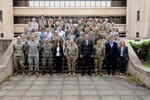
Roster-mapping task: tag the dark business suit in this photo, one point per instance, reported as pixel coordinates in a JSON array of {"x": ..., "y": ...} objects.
[
  {"x": 58, "y": 59},
  {"x": 123, "y": 58},
  {"x": 111, "y": 54},
  {"x": 86, "y": 52}
]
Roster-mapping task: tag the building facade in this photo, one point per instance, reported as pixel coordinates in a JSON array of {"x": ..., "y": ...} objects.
[{"x": 17, "y": 13}]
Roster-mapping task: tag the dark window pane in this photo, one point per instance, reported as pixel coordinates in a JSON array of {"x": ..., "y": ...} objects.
[{"x": 1, "y": 16}]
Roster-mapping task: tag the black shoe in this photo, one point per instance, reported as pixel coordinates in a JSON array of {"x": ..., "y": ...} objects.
[
  {"x": 89, "y": 74},
  {"x": 50, "y": 72},
  {"x": 82, "y": 74},
  {"x": 43, "y": 73},
  {"x": 113, "y": 74},
  {"x": 108, "y": 73}
]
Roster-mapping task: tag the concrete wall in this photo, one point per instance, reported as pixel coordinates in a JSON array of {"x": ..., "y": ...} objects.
[
  {"x": 6, "y": 62},
  {"x": 143, "y": 25},
  {"x": 136, "y": 67},
  {"x": 37, "y": 11},
  {"x": 6, "y": 26}
]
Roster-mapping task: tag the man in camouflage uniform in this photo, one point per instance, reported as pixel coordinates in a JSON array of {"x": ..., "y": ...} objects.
[
  {"x": 96, "y": 33},
  {"x": 90, "y": 22},
  {"x": 33, "y": 55},
  {"x": 56, "y": 38},
  {"x": 86, "y": 31},
  {"x": 99, "y": 54},
  {"x": 78, "y": 42},
  {"x": 71, "y": 54},
  {"x": 47, "y": 51},
  {"x": 42, "y": 23},
  {"x": 71, "y": 35},
  {"x": 19, "y": 55}
]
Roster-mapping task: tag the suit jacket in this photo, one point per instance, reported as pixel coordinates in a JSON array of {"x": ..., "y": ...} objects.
[
  {"x": 60, "y": 52},
  {"x": 125, "y": 52},
  {"x": 86, "y": 50},
  {"x": 111, "y": 51}
]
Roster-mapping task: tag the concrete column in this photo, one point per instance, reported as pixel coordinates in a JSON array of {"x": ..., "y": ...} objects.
[
  {"x": 7, "y": 26},
  {"x": 143, "y": 25}
]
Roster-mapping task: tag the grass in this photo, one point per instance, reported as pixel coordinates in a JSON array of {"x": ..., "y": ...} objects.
[
  {"x": 135, "y": 80},
  {"x": 7, "y": 79},
  {"x": 146, "y": 64}
]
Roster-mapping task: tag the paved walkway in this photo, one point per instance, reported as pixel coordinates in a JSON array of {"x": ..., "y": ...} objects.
[{"x": 71, "y": 88}]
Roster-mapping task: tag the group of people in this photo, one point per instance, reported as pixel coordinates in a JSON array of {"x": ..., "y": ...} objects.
[{"x": 88, "y": 42}]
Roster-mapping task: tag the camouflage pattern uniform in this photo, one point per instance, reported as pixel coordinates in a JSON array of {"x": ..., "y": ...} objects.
[
  {"x": 19, "y": 55},
  {"x": 47, "y": 53},
  {"x": 78, "y": 42},
  {"x": 42, "y": 24},
  {"x": 99, "y": 55},
  {"x": 72, "y": 54},
  {"x": 33, "y": 55}
]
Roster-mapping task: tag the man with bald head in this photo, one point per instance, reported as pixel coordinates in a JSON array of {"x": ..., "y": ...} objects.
[{"x": 19, "y": 55}]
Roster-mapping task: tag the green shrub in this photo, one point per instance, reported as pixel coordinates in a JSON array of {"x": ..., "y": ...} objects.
[{"x": 141, "y": 46}]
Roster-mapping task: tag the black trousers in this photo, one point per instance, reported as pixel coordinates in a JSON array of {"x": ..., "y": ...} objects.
[
  {"x": 111, "y": 63},
  {"x": 58, "y": 63},
  {"x": 86, "y": 62},
  {"x": 122, "y": 62}
]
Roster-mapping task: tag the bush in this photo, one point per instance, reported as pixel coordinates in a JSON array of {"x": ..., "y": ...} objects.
[{"x": 142, "y": 49}]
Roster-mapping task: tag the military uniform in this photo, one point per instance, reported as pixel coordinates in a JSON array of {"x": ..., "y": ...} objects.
[
  {"x": 42, "y": 24},
  {"x": 72, "y": 54},
  {"x": 89, "y": 23},
  {"x": 107, "y": 26},
  {"x": 24, "y": 37},
  {"x": 33, "y": 55},
  {"x": 71, "y": 36},
  {"x": 114, "y": 33},
  {"x": 18, "y": 55},
  {"x": 96, "y": 35},
  {"x": 47, "y": 53},
  {"x": 99, "y": 54},
  {"x": 57, "y": 38},
  {"x": 78, "y": 42}
]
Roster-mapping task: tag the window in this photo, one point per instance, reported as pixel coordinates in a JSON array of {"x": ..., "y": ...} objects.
[
  {"x": 77, "y": 3},
  {"x": 47, "y": 4},
  {"x": 1, "y": 16},
  {"x": 2, "y": 35},
  {"x": 72, "y": 4},
  {"x": 98, "y": 3},
  {"x": 56, "y": 3},
  {"x": 138, "y": 15},
  {"x": 88, "y": 3},
  {"x": 69, "y": 3},
  {"x": 92, "y": 3},
  {"x": 82, "y": 3},
  {"x": 62, "y": 4},
  {"x": 42, "y": 4},
  {"x": 137, "y": 34},
  {"x": 103, "y": 3}
]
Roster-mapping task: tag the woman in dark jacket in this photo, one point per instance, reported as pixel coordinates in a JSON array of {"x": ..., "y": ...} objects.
[
  {"x": 58, "y": 54},
  {"x": 123, "y": 57}
]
